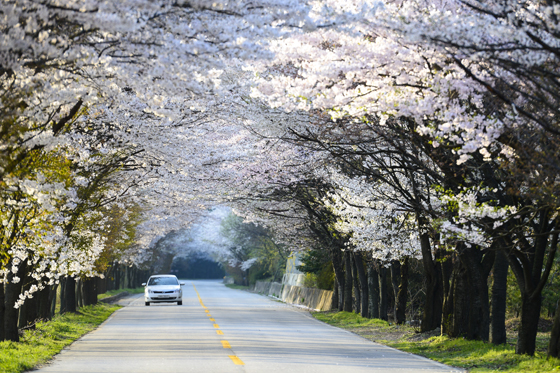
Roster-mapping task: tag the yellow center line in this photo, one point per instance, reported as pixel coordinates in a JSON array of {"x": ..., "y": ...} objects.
[
  {"x": 209, "y": 315},
  {"x": 199, "y": 298},
  {"x": 225, "y": 344},
  {"x": 236, "y": 360}
]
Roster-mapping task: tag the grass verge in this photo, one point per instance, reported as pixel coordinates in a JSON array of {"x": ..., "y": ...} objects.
[
  {"x": 475, "y": 356},
  {"x": 110, "y": 293},
  {"x": 39, "y": 345}
]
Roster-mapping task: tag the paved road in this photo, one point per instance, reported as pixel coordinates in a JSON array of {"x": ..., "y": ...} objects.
[{"x": 217, "y": 330}]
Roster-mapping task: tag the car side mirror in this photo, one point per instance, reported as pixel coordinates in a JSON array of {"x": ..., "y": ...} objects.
[
  {"x": 143, "y": 284},
  {"x": 181, "y": 283}
]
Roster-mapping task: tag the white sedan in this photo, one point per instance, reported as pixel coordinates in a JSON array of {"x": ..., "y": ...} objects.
[{"x": 163, "y": 289}]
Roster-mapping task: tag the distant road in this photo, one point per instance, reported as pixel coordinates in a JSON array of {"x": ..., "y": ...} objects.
[{"x": 217, "y": 330}]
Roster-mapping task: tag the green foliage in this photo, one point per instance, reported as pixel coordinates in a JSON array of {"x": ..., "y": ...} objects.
[
  {"x": 314, "y": 260},
  {"x": 552, "y": 290},
  {"x": 549, "y": 294},
  {"x": 121, "y": 232},
  {"x": 513, "y": 297},
  {"x": 251, "y": 241},
  {"x": 322, "y": 280},
  {"x": 39, "y": 345},
  {"x": 317, "y": 265}
]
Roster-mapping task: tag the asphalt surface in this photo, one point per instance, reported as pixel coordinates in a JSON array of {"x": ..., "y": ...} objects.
[{"x": 217, "y": 330}]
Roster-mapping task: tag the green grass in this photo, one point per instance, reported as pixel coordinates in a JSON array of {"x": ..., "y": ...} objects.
[
  {"x": 475, "y": 356},
  {"x": 239, "y": 287},
  {"x": 349, "y": 319},
  {"x": 110, "y": 293},
  {"x": 39, "y": 345}
]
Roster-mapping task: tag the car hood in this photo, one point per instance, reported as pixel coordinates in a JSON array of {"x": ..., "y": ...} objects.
[{"x": 163, "y": 287}]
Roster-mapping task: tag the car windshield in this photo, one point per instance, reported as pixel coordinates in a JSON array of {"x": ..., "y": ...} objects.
[{"x": 163, "y": 281}]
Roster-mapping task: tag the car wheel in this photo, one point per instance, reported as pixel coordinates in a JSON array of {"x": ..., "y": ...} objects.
[
  {"x": 180, "y": 303},
  {"x": 147, "y": 303}
]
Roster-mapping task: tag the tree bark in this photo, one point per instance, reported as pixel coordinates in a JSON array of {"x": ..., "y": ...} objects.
[
  {"x": 431, "y": 318},
  {"x": 70, "y": 294},
  {"x": 383, "y": 296},
  {"x": 358, "y": 257},
  {"x": 479, "y": 313},
  {"x": 460, "y": 302},
  {"x": 348, "y": 282},
  {"x": 499, "y": 295},
  {"x": 53, "y": 297},
  {"x": 63, "y": 298},
  {"x": 448, "y": 284},
  {"x": 12, "y": 292},
  {"x": 395, "y": 280},
  {"x": 402, "y": 295},
  {"x": 28, "y": 311},
  {"x": 338, "y": 265},
  {"x": 79, "y": 293},
  {"x": 90, "y": 291},
  {"x": 2, "y": 311},
  {"x": 44, "y": 306},
  {"x": 373, "y": 288},
  {"x": 334, "y": 300},
  {"x": 357, "y": 285},
  {"x": 528, "y": 326},
  {"x": 117, "y": 270}
]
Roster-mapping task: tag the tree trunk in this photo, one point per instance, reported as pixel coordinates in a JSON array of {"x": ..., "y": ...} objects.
[
  {"x": 44, "y": 303},
  {"x": 28, "y": 311},
  {"x": 79, "y": 293},
  {"x": 431, "y": 318},
  {"x": 12, "y": 292},
  {"x": 90, "y": 291},
  {"x": 357, "y": 285},
  {"x": 460, "y": 319},
  {"x": 70, "y": 294},
  {"x": 479, "y": 313},
  {"x": 448, "y": 284},
  {"x": 338, "y": 266},
  {"x": 101, "y": 284},
  {"x": 528, "y": 326},
  {"x": 383, "y": 296},
  {"x": 63, "y": 298},
  {"x": 2, "y": 311},
  {"x": 348, "y": 282},
  {"x": 395, "y": 280},
  {"x": 358, "y": 257},
  {"x": 334, "y": 300},
  {"x": 373, "y": 288},
  {"x": 499, "y": 294},
  {"x": 53, "y": 296},
  {"x": 402, "y": 295}
]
